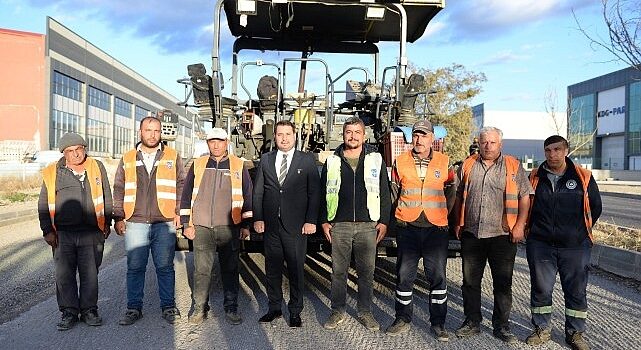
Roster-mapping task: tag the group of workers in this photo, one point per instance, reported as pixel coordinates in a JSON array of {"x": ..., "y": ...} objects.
[{"x": 491, "y": 204}]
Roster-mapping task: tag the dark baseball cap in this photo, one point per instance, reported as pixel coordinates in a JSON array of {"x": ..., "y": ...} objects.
[{"x": 423, "y": 126}]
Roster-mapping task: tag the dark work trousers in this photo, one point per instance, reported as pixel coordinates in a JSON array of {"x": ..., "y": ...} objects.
[
  {"x": 79, "y": 252},
  {"x": 572, "y": 264},
  {"x": 291, "y": 248},
  {"x": 499, "y": 252},
  {"x": 223, "y": 239},
  {"x": 430, "y": 244},
  {"x": 359, "y": 239}
]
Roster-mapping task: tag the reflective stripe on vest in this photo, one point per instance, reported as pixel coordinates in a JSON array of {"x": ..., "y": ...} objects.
[
  {"x": 584, "y": 177},
  {"x": 165, "y": 182},
  {"x": 236, "y": 175},
  {"x": 426, "y": 196},
  {"x": 94, "y": 178},
  {"x": 372, "y": 168},
  {"x": 510, "y": 196}
]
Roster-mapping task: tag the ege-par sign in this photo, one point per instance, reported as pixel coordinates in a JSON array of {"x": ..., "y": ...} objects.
[{"x": 611, "y": 111}]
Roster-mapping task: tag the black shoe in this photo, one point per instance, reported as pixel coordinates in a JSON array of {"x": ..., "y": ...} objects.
[
  {"x": 468, "y": 328},
  {"x": 233, "y": 318},
  {"x": 67, "y": 322},
  {"x": 171, "y": 314},
  {"x": 295, "y": 321},
  {"x": 91, "y": 318},
  {"x": 270, "y": 316},
  {"x": 505, "y": 335},
  {"x": 130, "y": 317}
]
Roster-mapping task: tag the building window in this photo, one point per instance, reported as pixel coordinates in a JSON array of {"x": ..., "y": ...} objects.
[
  {"x": 123, "y": 126},
  {"x": 581, "y": 129},
  {"x": 139, "y": 115},
  {"x": 99, "y": 98},
  {"x": 62, "y": 123},
  {"x": 634, "y": 120},
  {"x": 66, "y": 86}
]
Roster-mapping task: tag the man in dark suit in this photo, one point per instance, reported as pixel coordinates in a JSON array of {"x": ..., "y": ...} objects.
[{"x": 286, "y": 196}]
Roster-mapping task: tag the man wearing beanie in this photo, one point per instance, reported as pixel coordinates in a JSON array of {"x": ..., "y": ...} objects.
[{"x": 74, "y": 209}]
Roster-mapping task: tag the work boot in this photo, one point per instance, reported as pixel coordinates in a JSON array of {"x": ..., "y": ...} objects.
[
  {"x": 232, "y": 317},
  {"x": 505, "y": 335},
  {"x": 335, "y": 318},
  {"x": 91, "y": 318},
  {"x": 539, "y": 336},
  {"x": 399, "y": 327},
  {"x": 171, "y": 314},
  {"x": 576, "y": 341},
  {"x": 368, "y": 320},
  {"x": 130, "y": 317},
  {"x": 440, "y": 333},
  {"x": 68, "y": 320},
  {"x": 468, "y": 328}
]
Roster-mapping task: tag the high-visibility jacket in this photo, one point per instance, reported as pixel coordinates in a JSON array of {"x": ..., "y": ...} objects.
[
  {"x": 165, "y": 182},
  {"x": 372, "y": 166},
  {"x": 584, "y": 176},
  {"x": 426, "y": 196},
  {"x": 236, "y": 174},
  {"x": 511, "y": 195},
  {"x": 97, "y": 195}
]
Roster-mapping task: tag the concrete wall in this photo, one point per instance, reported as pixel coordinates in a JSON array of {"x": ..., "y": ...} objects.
[
  {"x": 622, "y": 175},
  {"x": 22, "y": 104}
]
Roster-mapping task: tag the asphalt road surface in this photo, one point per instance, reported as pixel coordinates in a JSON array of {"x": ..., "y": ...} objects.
[
  {"x": 622, "y": 211},
  {"x": 29, "y": 310}
]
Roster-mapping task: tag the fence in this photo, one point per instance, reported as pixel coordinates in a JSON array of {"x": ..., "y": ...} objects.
[{"x": 19, "y": 170}]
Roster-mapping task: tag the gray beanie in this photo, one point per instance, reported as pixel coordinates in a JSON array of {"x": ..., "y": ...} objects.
[{"x": 71, "y": 139}]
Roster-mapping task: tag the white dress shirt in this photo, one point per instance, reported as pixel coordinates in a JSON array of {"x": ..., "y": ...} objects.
[{"x": 279, "y": 159}]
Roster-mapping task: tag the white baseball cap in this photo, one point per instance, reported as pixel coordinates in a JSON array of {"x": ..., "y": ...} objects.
[{"x": 217, "y": 133}]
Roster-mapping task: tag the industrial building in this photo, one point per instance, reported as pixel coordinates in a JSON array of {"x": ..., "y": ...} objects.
[
  {"x": 604, "y": 120},
  {"x": 58, "y": 82}
]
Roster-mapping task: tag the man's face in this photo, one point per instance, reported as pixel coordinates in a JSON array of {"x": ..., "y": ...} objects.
[
  {"x": 490, "y": 145},
  {"x": 217, "y": 148},
  {"x": 285, "y": 138},
  {"x": 150, "y": 133},
  {"x": 422, "y": 141},
  {"x": 555, "y": 154},
  {"x": 74, "y": 155},
  {"x": 353, "y": 136}
]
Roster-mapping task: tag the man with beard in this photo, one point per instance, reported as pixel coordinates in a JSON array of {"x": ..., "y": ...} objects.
[
  {"x": 147, "y": 192},
  {"x": 354, "y": 213},
  {"x": 75, "y": 217},
  {"x": 285, "y": 210}
]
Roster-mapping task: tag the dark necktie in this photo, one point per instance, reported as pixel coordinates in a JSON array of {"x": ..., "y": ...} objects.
[{"x": 283, "y": 170}]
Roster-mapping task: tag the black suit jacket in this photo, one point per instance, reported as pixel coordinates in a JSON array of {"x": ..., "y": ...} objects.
[{"x": 297, "y": 200}]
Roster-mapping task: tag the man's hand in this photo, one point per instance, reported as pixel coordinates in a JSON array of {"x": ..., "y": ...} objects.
[
  {"x": 52, "y": 239},
  {"x": 327, "y": 230},
  {"x": 381, "y": 231},
  {"x": 177, "y": 223},
  {"x": 259, "y": 226},
  {"x": 457, "y": 231},
  {"x": 309, "y": 229},
  {"x": 120, "y": 227},
  {"x": 189, "y": 232},
  {"x": 244, "y": 233},
  {"x": 518, "y": 233}
]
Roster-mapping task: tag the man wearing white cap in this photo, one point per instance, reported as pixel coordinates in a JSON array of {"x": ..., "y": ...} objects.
[{"x": 215, "y": 211}]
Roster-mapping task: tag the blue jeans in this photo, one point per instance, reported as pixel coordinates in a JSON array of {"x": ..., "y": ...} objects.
[
  {"x": 430, "y": 244},
  {"x": 500, "y": 253},
  {"x": 572, "y": 264},
  {"x": 359, "y": 238},
  {"x": 160, "y": 237}
]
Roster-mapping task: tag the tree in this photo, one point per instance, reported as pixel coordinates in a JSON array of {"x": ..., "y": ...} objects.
[
  {"x": 623, "y": 21},
  {"x": 453, "y": 89}
]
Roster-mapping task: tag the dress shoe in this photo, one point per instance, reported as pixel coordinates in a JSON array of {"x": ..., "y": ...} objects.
[
  {"x": 295, "y": 321},
  {"x": 270, "y": 316}
]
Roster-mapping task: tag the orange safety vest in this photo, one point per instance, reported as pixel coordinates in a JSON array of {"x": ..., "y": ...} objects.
[
  {"x": 165, "y": 182},
  {"x": 237, "y": 200},
  {"x": 95, "y": 183},
  {"x": 584, "y": 176},
  {"x": 511, "y": 194},
  {"x": 426, "y": 196}
]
